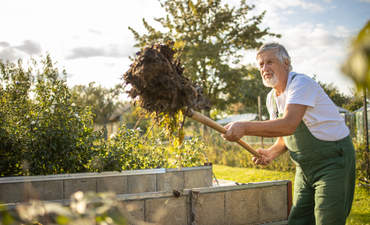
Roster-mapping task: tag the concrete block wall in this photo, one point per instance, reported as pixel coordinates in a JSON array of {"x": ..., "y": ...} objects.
[
  {"x": 57, "y": 187},
  {"x": 253, "y": 203}
]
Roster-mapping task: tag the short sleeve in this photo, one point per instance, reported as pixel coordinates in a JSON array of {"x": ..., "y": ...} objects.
[
  {"x": 269, "y": 105},
  {"x": 303, "y": 91}
]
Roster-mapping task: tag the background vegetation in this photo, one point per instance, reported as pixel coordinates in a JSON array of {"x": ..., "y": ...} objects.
[{"x": 45, "y": 130}]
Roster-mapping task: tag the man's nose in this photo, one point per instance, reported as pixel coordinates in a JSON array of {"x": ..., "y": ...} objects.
[{"x": 264, "y": 67}]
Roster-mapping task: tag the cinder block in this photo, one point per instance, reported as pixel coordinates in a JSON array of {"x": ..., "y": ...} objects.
[
  {"x": 208, "y": 208},
  {"x": 13, "y": 192},
  {"x": 274, "y": 203},
  {"x": 141, "y": 183},
  {"x": 24, "y": 191},
  {"x": 135, "y": 211},
  {"x": 47, "y": 190},
  {"x": 116, "y": 184},
  {"x": 170, "y": 181},
  {"x": 73, "y": 185},
  {"x": 197, "y": 178},
  {"x": 166, "y": 211},
  {"x": 242, "y": 207}
]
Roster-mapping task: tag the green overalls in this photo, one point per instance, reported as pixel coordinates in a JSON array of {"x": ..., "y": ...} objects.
[{"x": 325, "y": 178}]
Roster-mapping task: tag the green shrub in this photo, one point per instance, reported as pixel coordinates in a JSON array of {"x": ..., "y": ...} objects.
[
  {"x": 129, "y": 150},
  {"x": 41, "y": 130}
]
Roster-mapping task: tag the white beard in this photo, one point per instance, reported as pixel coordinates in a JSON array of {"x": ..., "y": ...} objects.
[{"x": 271, "y": 82}]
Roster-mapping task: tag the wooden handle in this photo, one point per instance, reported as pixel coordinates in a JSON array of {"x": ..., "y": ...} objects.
[{"x": 207, "y": 121}]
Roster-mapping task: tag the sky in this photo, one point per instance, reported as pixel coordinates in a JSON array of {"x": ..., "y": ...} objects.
[{"x": 90, "y": 39}]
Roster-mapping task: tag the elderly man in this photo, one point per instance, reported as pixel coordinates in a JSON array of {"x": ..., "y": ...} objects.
[{"x": 308, "y": 125}]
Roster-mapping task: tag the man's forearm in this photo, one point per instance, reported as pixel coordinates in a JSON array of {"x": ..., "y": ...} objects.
[
  {"x": 269, "y": 128},
  {"x": 277, "y": 148}
]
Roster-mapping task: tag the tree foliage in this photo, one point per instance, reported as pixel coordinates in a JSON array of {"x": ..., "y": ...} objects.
[
  {"x": 103, "y": 102},
  {"x": 211, "y": 38}
]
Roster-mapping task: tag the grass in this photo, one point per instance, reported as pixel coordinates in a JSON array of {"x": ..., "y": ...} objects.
[{"x": 360, "y": 213}]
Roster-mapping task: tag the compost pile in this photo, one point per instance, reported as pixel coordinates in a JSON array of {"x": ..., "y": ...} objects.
[{"x": 156, "y": 81}]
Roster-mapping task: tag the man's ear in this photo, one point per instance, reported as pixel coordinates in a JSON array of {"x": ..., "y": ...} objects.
[{"x": 286, "y": 63}]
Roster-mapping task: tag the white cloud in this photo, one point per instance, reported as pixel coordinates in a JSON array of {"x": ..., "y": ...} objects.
[
  {"x": 112, "y": 50},
  {"x": 365, "y": 1},
  {"x": 30, "y": 47},
  {"x": 9, "y": 54},
  {"x": 27, "y": 48},
  {"x": 4, "y": 44}
]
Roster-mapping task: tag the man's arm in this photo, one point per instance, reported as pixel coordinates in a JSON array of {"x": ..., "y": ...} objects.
[{"x": 271, "y": 128}]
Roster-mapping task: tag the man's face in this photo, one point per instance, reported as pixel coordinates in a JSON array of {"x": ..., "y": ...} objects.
[{"x": 271, "y": 68}]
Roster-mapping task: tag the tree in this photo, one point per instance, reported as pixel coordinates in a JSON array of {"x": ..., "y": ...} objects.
[
  {"x": 103, "y": 102},
  {"x": 211, "y": 39}
]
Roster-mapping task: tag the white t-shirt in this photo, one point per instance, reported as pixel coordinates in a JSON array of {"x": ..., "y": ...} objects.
[{"x": 322, "y": 117}]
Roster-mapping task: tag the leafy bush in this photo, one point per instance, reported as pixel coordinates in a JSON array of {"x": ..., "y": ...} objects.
[
  {"x": 41, "y": 130},
  {"x": 128, "y": 150}
]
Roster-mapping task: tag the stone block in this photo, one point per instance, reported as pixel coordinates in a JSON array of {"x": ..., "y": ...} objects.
[
  {"x": 47, "y": 190},
  {"x": 197, "y": 178},
  {"x": 116, "y": 184},
  {"x": 242, "y": 206},
  {"x": 24, "y": 191},
  {"x": 13, "y": 192},
  {"x": 141, "y": 183},
  {"x": 135, "y": 211},
  {"x": 170, "y": 181},
  {"x": 208, "y": 208},
  {"x": 166, "y": 211},
  {"x": 274, "y": 203},
  {"x": 73, "y": 185}
]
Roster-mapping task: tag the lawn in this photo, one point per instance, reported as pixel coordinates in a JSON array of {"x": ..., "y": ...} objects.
[{"x": 360, "y": 214}]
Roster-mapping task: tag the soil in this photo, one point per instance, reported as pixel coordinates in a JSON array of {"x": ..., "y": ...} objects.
[{"x": 156, "y": 80}]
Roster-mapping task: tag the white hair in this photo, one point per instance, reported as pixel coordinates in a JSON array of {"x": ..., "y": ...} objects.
[{"x": 281, "y": 53}]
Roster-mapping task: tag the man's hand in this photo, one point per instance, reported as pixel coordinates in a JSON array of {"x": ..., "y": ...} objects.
[
  {"x": 234, "y": 131},
  {"x": 265, "y": 159}
]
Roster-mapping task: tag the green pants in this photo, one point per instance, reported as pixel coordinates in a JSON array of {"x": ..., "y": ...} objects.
[{"x": 325, "y": 179}]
